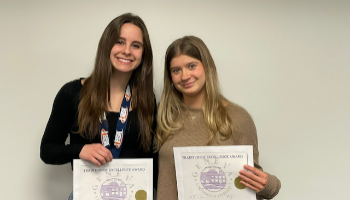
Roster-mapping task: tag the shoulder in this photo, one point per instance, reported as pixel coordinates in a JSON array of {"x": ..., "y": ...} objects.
[
  {"x": 72, "y": 87},
  {"x": 243, "y": 126},
  {"x": 239, "y": 116},
  {"x": 69, "y": 91},
  {"x": 236, "y": 110}
]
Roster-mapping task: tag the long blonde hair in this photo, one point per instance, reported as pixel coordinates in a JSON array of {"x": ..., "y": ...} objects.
[
  {"x": 171, "y": 103},
  {"x": 96, "y": 89}
]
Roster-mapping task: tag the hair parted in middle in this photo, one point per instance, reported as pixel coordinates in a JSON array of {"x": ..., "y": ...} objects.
[
  {"x": 171, "y": 103},
  {"x": 95, "y": 93}
]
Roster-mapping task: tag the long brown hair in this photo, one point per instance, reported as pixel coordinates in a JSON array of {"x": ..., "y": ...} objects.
[
  {"x": 95, "y": 93},
  {"x": 171, "y": 103}
]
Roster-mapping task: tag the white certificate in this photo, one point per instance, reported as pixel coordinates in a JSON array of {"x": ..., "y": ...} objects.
[
  {"x": 211, "y": 172},
  {"x": 120, "y": 179}
]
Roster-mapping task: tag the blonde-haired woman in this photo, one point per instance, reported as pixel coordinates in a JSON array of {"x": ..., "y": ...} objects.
[{"x": 193, "y": 112}]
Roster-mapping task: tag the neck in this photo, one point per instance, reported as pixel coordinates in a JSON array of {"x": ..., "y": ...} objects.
[
  {"x": 118, "y": 82},
  {"x": 194, "y": 102}
]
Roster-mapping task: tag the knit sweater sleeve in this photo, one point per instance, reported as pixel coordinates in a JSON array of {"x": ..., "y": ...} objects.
[
  {"x": 245, "y": 134},
  {"x": 53, "y": 149},
  {"x": 271, "y": 189}
]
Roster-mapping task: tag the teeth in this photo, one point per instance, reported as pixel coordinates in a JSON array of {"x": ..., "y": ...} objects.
[{"x": 123, "y": 60}]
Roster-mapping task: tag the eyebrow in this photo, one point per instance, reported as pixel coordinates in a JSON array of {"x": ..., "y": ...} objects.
[
  {"x": 193, "y": 62},
  {"x": 170, "y": 67},
  {"x": 138, "y": 42},
  {"x": 188, "y": 64}
]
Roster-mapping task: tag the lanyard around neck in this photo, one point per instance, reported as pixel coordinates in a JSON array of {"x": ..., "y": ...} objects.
[{"x": 121, "y": 126}]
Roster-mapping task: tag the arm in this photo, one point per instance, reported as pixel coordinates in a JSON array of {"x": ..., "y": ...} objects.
[
  {"x": 264, "y": 184},
  {"x": 53, "y": 149}
]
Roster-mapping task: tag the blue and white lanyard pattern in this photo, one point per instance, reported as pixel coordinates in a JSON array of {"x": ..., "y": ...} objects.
[{"x": 121, "y": 126}]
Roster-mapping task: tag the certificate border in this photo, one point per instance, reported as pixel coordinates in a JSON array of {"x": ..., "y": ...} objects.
[
  {"x": 77, "y": 163},
  {"x": 210, "y": 149}
]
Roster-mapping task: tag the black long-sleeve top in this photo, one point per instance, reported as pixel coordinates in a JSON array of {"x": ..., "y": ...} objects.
[{"x": 63, "y": 122}]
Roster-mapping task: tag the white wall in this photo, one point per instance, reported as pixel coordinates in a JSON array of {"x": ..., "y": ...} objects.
[{"x": 286, "y": 62}]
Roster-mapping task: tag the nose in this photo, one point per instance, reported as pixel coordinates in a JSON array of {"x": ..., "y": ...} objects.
[
  {"x": 185, "y": 75},
  {"x": 126, "y": 49}
]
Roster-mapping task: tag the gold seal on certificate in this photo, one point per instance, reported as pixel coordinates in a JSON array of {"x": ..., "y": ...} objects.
[
  {"x": 238, "y": 183},
  {"x": 118, "y": 179},
  {"x": 211, "y": 172},
  {"x": 141, "y": 195}
]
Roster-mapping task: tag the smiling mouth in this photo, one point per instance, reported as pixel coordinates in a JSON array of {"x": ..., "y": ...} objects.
[
  {"x": 124, "y": 60},
  {"x": 187, "y": 85}
]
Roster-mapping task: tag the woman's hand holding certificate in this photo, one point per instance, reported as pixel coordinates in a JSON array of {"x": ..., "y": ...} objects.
[{"x": 254, "y": 179}]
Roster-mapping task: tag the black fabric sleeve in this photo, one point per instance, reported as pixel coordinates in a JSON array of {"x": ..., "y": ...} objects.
[
  {"x": 155, "y": 154},
  {"x": 53, "y": 149}
]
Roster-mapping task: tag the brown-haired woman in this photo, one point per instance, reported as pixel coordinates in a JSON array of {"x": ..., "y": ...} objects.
[
  {"x": 193, "y": 112},
  {"x": 118, "y": 95}
]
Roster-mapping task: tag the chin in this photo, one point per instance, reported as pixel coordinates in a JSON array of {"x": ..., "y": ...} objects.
[{"x": 125, "y": 70}]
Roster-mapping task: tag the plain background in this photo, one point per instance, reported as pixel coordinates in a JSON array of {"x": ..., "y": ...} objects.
[{"x": 286, "y": 62}]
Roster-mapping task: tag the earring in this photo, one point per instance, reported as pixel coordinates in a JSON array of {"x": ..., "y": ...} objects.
[{"x": 172, "y": 85}]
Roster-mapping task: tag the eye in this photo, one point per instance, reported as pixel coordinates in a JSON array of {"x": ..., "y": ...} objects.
[
  {"x": 136, "y": 46},
  {"x": 120, "y": 42},
  {"x": 175, "y": 70},
  {"x": 192, "y": 66}
]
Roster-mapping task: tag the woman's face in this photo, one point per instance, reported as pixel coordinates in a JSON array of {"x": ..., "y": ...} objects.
[
  {"x": 188, "y": 76},
  {"x": 126, "y": 54}
]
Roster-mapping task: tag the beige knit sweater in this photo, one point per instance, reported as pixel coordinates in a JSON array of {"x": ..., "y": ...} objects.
[{"x": 195, "y": 133}]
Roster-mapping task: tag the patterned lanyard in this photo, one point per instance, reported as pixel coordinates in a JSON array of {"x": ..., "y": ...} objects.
[{"x": 121, "y": 126}]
